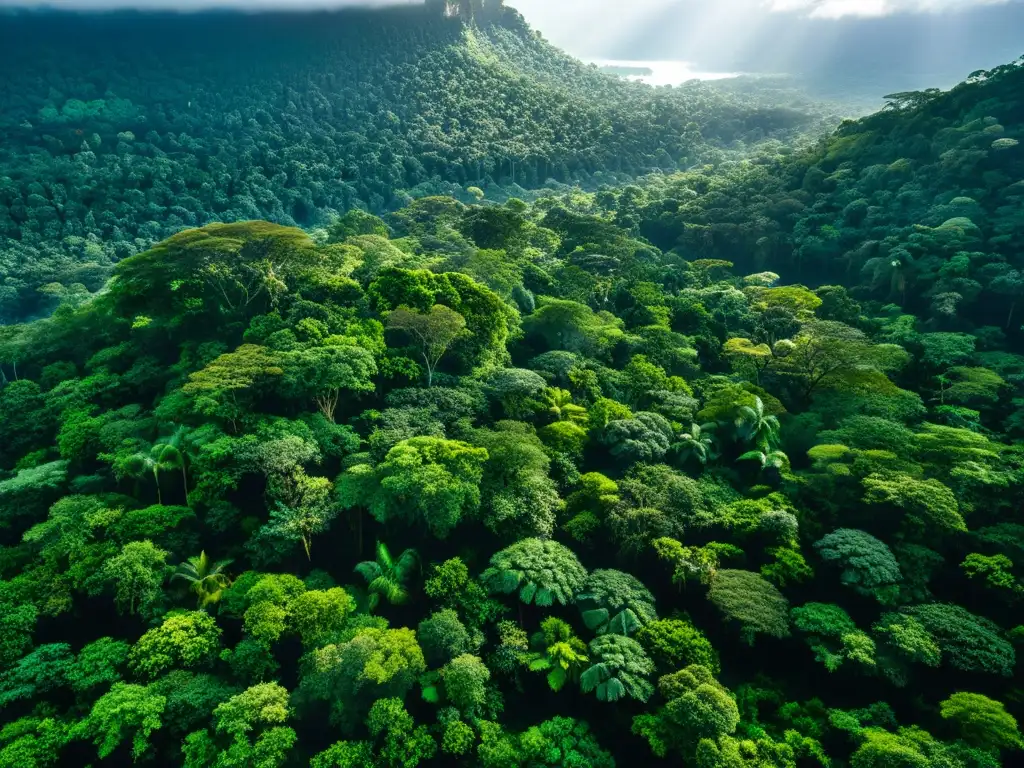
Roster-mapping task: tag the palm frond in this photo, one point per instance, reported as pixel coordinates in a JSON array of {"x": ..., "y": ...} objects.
[
  {"x": 369, "y": 570},
  {"x": 384, "y": 555}
]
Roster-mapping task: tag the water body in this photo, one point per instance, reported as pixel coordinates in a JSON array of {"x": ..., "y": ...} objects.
[{"x": 663, "y": 72}]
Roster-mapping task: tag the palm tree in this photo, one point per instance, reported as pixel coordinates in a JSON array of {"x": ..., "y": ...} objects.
[
  {"x": 753, "y": 426},
  {"x": 697, "y": 443},
  {"x": 169, "y": 454},
  {"x": 562, "y": 408},
  {"x": 769, "y": 459},
  {"x": 386, "y": 576},
  {"x": 207, "y": 578},
  {"x": 142, "y": 464},
  {"x": 164, "y": 456}
]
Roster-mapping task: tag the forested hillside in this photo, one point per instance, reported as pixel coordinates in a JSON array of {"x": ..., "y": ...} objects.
[
  {"x": 119, "y": 130},
  {"x": 721, "y": 468},
  {"x": 920, "y": 206}
]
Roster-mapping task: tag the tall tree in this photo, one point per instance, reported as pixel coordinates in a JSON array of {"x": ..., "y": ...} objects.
[{"x": 433, "y": 332}]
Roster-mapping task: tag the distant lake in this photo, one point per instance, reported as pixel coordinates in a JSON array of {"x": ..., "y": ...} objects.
[{"x": 660, "y": 72}]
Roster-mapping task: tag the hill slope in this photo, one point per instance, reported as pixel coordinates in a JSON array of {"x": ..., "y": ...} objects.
[
  {"x": 119, "y": 129},
  {"x": 921, "y": 205}
]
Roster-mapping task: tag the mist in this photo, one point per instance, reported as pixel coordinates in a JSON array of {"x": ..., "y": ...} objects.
[{"x": 878, "y": 45}]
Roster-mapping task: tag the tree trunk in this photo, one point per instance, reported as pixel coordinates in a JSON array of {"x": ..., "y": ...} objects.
[
  {"x": 305, "y": 544},
  {"x": 1009, "y": 318},
  {"x": 184, "y": 483},
  {"x": 159, "y": 494}
]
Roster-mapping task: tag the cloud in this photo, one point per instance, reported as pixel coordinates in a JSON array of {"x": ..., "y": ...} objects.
[
  {"x": 837, "y": 9},
  {"x": 197, "y": 5}
]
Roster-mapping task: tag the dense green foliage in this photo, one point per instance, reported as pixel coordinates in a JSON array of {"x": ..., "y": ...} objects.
[
  {"x": 113, "y": 134},
  {"x": 573, "y": 482}
]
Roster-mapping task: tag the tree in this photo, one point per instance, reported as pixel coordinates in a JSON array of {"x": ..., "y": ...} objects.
[
  {"x": 543, "y": 572},
  {"x": 168, "y": 454},
  {"x": 994, "y": 571},
  {"x": 929, "y": 508},
  {"x": 561, "y": 408},
  {"x": 451, "y": 586},
  {"x": 563, "y": 741},
  {"x": 826, "y": 354},
  {"x": 186, "y": 639},
  {"x": 434, "y": 332},
  {"x": 356, "y": 222},
  {"x": 323, "y": 373},
  {"x": 575, "y": 327},
  {"x": 137, "y": 574},
  {"x": 698, "y": 708},
  {"x": 465, "y": 678},
  {"x": 318, "y": 615},
  {"x": 253, "y": 724},
  {"x": 387, "y": 576},
  {"x": 902, "y": 639},
  {"x": 309, "y": 513},
  {"x": 443, "y": 637},
  {"x": 559, "y": 653},
  {"x": 699, "y": 563},
  {"x": 755, "y": 604},
  {"x": 968, "y": 642},
  {"x": 127, "y": 710},
  {"x": 17, "y": 623},
  {"x": 619, "y": 667},
  {"x": 426, "y": 479},
  {"x": 375, "y": 663},
  {"x": 747, "y": 357},
  {"x": 616, "y": 602},
  {"x": 788, "y": 567},
  {"x": 458, "y": 738},
  {"x": 833, "y": 636},
  {"x": 35, "y": 675},
  {"x": 31, "y": 491},
  {"x": 982, "y": 721},
  {"x": 142, "y": 464},
  {"x": 238, "y": 269},
  {"x": 205, "y": 577},
  {"x": 344, "y": 754},
  {"x": 222, "y": 386},
  {"x": 33, "y": 741},
  {"x": 518, "y": 391},
  {"x": 869, "y": 567},
  {"x": 755, "y": 427},
  {"x": 776, "y": 460},
  {"x": 518, "y": 496},
  {"x": 23, "y": 419},
  {"x": 697, "y": 443},
  {"x": 402, "y": 745},
  {"x": 100, "y": 663},
  {"x": 645, "y": 437},
  {"x": 675, "y": 644}
]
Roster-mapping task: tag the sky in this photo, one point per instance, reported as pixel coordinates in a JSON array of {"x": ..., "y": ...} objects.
[{"x": 883, "y": 45}]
